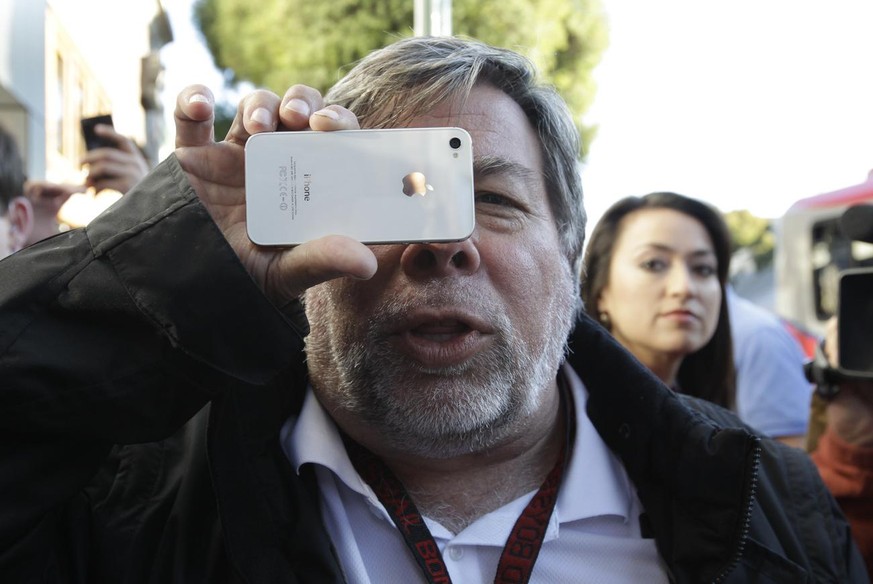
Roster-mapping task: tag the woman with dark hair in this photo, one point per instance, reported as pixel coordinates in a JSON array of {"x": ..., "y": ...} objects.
[{"x": 655, "y": 275}]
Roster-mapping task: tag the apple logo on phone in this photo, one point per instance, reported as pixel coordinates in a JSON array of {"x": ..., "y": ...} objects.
[{"x": 415, "y": 183}]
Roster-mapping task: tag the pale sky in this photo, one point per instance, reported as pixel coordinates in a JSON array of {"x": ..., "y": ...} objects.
[{"x": 749, "y": 104}]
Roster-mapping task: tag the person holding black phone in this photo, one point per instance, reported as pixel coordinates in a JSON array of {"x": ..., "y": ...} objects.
[{"x": 114, "y": 161}]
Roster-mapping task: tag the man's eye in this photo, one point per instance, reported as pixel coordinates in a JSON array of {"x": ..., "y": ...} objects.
[{"x": 492, "y": 199}]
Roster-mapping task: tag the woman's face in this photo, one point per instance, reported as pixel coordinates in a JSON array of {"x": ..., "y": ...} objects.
[{"x": 662, "y": 294}]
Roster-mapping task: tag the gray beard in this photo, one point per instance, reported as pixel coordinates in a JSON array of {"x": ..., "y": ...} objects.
[{"x": 433, "y": 412}]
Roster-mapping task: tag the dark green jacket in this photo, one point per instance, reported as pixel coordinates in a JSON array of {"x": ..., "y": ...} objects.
[{"x": 144, "y": 379}]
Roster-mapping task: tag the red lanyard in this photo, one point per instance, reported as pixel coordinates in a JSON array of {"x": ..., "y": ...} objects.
[{"x": 524, "y": 542}]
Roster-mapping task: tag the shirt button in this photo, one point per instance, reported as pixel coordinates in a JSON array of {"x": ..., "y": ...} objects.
[{"x": 455, "y": 552}]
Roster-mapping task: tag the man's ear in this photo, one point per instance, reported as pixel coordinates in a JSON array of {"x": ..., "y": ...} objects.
[{"x": 20, "y": 216}]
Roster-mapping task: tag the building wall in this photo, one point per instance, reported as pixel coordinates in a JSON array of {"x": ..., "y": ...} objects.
[
  {"x": 22, "y": 83},
  {"x": 62, "y": 60},
  {"x": 73, "y": 92}
]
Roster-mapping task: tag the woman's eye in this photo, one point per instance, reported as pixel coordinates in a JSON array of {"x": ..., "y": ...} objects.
[
  {"x": 704, "y": 270},
  {"x": 654, "y": 265}
]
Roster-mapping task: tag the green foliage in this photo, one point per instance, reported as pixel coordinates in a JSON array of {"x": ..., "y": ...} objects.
[
  {"x": 565, "y": 38},
  {"x": 753, "y": 233},
  {"x": 276, "y": 43},
  {"x": 224, "y": 115}
]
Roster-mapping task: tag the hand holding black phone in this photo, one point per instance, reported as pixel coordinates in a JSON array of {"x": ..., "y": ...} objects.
[{"x": 92, "y": 140}]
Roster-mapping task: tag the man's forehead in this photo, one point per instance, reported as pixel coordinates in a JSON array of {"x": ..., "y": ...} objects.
[
  {"x": 502, "y": 134},
  {"x": 487, "y": 165}
]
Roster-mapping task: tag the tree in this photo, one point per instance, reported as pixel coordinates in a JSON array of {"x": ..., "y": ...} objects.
[
  {"x": 565, "y": 38},
  {"x": 754, "y": 234},
  {"x": 224, "y": 114},
  {"x": 274, "y": 43}
]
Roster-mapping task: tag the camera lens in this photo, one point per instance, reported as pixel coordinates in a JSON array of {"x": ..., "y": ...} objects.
[{"x": 455, "y": 143}]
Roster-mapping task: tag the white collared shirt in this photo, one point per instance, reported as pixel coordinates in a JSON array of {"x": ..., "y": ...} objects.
[{"x": 593, "y": 535}]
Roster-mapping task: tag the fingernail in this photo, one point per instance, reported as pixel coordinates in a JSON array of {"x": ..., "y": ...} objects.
[
  {"x": 198, "y": 98},
  {"x": 298, "y": 106},
  {"x": 262, "y": 116},
  {"x": 327, "y": 113}
]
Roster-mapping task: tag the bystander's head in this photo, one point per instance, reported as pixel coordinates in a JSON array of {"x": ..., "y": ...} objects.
[{"x": 16, "y": 214}]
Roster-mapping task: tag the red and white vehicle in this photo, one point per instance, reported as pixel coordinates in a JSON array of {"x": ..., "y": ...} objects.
[{"x": 811, "y": 251}]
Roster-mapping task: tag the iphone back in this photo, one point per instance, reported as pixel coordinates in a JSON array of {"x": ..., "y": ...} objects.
[{"x": 377, "y": 186}]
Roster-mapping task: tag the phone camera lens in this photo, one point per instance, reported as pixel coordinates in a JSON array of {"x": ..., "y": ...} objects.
[{"x": 455, "y": 143}]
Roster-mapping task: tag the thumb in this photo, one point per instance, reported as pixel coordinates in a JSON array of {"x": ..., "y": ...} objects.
[
  {"x": 194, "y": 116},
  {"x": 318, "y": 261}
]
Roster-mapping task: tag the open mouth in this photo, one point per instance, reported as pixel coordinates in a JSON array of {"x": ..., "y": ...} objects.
[
  {"x": 441, "y": 331},
  {"x": 439, "y": 340}
]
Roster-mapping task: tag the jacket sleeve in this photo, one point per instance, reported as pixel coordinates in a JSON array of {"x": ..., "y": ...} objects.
[
  {"x": 117, "y": 334},
  {"x": 847, "y": 470}
]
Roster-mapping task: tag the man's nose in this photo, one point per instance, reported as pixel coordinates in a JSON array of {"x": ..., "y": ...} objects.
[{"x": 425, "y": 260}]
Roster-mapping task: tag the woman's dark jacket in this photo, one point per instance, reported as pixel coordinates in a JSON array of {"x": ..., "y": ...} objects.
[{"x": 144, "y": 378}]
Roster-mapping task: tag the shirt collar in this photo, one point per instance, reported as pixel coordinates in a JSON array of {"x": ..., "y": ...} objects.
[
  {"x": 314, "y": 438},
  {"x": 595, "y": 482}
]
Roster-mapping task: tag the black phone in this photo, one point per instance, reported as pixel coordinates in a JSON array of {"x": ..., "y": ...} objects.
[{"x": 92, "y": 140}]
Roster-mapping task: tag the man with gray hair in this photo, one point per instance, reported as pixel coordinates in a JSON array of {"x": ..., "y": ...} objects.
[{"x": 182, "y": 405}]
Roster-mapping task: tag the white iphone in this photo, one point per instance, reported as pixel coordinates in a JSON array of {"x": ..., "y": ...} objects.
[{"x": 377, "y": 186}]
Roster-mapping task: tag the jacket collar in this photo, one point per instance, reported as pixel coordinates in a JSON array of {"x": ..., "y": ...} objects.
[{"x": 695, "y": 480}]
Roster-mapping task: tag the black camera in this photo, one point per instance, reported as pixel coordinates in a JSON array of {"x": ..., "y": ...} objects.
[{"x": 855, "y": 309}]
